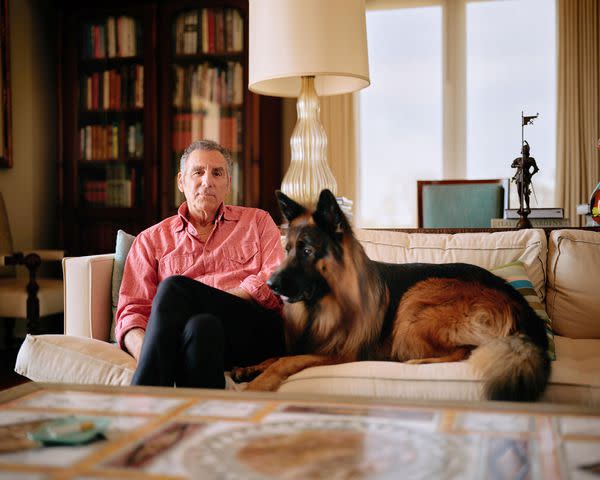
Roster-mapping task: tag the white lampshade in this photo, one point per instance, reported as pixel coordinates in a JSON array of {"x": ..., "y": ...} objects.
[{"x": 289, "y": 39}]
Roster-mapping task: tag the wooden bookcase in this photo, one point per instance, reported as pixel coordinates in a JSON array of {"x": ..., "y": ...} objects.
[{"x": 138, "y": 81}]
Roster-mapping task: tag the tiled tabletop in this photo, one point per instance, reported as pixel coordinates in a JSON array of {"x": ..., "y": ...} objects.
[{"x": 181, "y": 433}]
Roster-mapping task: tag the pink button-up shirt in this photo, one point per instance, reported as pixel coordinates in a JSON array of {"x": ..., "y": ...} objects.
[{"x": 242, "y": 251}]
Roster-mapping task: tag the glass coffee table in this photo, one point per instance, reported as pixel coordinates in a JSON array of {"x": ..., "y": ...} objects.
[{"x": 184, "y": 433}]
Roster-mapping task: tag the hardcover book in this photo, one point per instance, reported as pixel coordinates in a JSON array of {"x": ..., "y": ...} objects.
[
  {"x": 535, "y": 222},
  {"x": 553, "y": 212}
]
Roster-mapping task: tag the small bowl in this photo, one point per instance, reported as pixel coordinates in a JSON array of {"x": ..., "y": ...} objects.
[{"x": 73, "y": 430}]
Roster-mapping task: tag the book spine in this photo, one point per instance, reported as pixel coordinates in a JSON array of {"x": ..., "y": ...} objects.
[
  {"x": 536, "y": 213},
  {"x": 535, "y": 222}
]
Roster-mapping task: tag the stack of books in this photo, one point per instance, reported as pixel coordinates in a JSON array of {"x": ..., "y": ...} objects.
[
  {"x": 539, "y": 218},
  {"x": 346, "y": 206}
]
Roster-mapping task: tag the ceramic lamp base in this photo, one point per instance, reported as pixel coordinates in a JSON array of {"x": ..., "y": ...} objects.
[{"x": 309, "y": 172}]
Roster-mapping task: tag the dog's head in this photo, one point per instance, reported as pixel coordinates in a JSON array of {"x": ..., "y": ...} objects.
[{"x": 314, "y": 241}]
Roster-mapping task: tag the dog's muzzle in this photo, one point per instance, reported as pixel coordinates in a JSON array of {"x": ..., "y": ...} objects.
[{"x": 285, "y": 288}]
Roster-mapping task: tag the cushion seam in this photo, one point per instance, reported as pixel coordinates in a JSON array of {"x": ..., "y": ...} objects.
[{"x": 355, "y": 377}]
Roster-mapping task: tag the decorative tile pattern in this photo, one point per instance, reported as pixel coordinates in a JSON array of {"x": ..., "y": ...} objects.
[{"x": 216, "y": 435}]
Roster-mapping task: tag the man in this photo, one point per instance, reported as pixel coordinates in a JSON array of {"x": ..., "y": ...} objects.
[{"x": 193, "y": 300}]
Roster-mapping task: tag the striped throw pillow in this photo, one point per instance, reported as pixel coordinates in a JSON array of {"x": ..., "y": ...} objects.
[{"x": 515, "y": 275}]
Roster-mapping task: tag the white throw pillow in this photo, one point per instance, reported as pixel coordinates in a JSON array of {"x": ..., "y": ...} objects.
[{"x": 70, "y": 359}]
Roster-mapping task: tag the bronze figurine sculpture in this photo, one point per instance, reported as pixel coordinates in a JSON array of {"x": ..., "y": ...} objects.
[{"x": 526, "y": 168}]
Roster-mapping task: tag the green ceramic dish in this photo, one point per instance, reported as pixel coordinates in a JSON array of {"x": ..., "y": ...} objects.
[{"x": 73, "y": 430}]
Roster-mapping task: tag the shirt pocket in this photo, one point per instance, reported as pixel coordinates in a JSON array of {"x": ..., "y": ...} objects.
[
  {"x": 176, "y": 264},
  {"x": 244, "y": 256}
]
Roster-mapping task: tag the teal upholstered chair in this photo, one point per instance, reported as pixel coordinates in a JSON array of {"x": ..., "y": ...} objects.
[{"x": 461, "y": 203}]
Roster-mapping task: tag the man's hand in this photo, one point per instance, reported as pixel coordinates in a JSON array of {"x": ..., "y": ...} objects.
[
  {"x": 133, "y": 341},
  {"x": 240, "y": 292}
]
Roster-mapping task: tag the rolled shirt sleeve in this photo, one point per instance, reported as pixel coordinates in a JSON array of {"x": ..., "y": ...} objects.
[
  {"x": 272, "y": 256},
  {"x": 137, "y": 290}
]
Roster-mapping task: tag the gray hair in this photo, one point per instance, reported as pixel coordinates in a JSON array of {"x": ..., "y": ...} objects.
[{"x": 206, "y": 146}]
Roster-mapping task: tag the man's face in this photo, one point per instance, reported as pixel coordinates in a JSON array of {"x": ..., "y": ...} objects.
[{"x": 205, "y": 181}]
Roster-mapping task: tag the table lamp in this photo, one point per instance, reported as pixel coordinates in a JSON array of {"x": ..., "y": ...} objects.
[{"x": 307, "y": 49}]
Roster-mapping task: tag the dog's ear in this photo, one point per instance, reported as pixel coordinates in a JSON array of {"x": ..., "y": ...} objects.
[
  {"x": 329, "y": 215},
  {"x": 289, "y": 208}
]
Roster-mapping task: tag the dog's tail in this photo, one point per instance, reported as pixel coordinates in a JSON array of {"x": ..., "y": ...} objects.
[{"x": 513, "y": 368}]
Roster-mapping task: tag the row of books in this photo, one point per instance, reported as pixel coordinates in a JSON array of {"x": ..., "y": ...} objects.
[
  {"x": 215, "y": 124},
  {"x": 109, "y": 193},
  {"x": 209, "y": 30},
  {"x": 115, "y": 37},
  {"x": 196, "y": 85},
  {"x": 113, "y": 89},
  {"x": 116, "y": 189},
  {"x": 111, "y": 142}
]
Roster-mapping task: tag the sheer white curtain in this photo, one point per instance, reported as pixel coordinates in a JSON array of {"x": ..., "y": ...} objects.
[{"x": 338, "y": 118}]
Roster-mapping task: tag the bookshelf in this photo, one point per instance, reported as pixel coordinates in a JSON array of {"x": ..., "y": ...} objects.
[
  {"x": 204, "y": 77},
  {"x": 138, "y": 81},
  {"x": 107, "y": 117}
]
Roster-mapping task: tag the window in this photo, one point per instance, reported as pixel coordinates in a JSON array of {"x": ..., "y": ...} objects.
[
  {"x": 451, "y": 109},
  {"x": 400, "y": 113}
]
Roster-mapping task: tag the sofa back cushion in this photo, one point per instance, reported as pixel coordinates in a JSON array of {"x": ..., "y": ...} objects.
[
  {"x": 486, "y": 249},
  {"x": 573, "y": 293},
  {"x": 516, "y": 276},
  {"x": 122, "y": 247}
]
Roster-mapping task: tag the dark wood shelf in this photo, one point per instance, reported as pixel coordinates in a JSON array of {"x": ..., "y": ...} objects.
[
  {"x": 111, "y": 111},
  {"x": 107, "y": 63},
  {"x": 108, "y": 162},
  {"x": 102, "y": 212},
  {"x": 187, "y": 58},
  {"x": 231, "y": 106}
]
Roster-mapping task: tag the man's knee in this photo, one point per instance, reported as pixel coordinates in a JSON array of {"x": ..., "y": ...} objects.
[
  {"x": 170, "y": 290},
  {"x": 204, "y": 327}
]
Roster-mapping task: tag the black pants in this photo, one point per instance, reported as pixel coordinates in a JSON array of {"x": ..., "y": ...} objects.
[{"x": 195, "y": 332}]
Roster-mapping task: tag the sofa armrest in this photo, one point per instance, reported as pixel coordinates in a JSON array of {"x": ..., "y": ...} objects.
[{"x": 88, "y": 295}]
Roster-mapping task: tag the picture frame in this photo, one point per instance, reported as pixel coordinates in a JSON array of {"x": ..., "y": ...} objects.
[{"x": 6, "y": 160}]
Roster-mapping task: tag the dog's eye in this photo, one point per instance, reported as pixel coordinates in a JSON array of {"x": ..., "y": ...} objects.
[{"x": 307, "y": 252}]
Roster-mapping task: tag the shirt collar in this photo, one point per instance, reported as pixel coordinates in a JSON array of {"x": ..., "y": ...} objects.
[{"x": 225, "y": 212}]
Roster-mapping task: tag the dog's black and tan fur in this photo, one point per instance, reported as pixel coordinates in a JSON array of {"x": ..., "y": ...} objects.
[{"x": 340, "y": 306}]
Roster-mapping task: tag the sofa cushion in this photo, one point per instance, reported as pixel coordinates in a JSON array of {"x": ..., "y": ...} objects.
[
  {"x": 573, "y": 296},
  {"x": 122, "y": 247},
  {"x": 486, "y": 249},
  {"x": 515, "y": 275},
  {"x": 575, "y": 378},
  {"x": 70, "y": 359}
]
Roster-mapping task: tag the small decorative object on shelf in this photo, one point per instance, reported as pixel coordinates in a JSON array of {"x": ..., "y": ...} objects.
[
  {"x": 346, "y": 206},
  {"x": 526, "y": 168}
]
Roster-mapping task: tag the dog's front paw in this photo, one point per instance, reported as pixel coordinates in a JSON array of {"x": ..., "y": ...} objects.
[
  {"x": 265, "y": 383},
  {"x": 418, "y": 361},
  {"x": 245, "y": 374}
]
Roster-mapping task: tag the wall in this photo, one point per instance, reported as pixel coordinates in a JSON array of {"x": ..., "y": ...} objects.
[{"x": 29, "y": 188}]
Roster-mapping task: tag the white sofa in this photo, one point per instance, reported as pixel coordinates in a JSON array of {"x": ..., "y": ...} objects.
[{"x": 564, "y": 270}]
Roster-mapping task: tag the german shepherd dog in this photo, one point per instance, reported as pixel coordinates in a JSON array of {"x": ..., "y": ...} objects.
[{"x": 340, "y": 306}]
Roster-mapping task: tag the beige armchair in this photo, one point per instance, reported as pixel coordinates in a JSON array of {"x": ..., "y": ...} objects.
[{"x": 25, "y": 297}]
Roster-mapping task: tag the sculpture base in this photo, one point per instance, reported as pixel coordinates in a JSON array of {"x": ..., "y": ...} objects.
[{"x": 523, "y": 222}]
